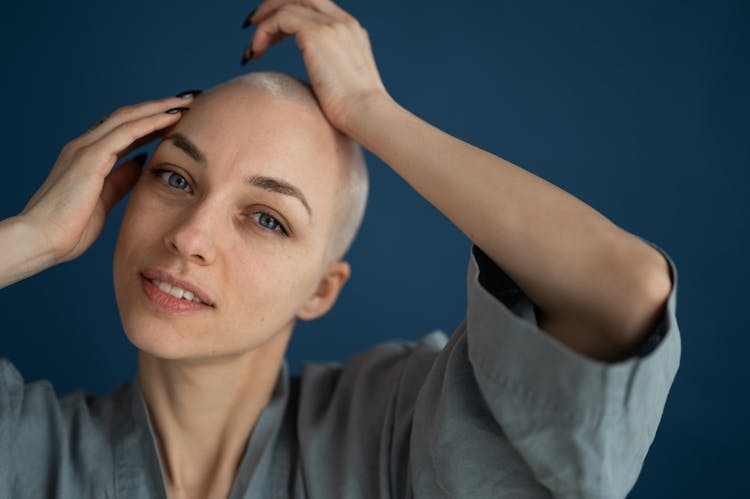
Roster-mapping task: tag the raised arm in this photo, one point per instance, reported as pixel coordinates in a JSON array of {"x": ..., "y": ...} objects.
[
  {"x": 596, "y": 287},
  {"x": 67, "y": 213}
]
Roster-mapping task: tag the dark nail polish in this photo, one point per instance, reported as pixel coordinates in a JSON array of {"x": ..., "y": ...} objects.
[
  {"x": 247, "y": 19},
  {"x": 176, "y": 110},
  {"x": 247, "y": 56},
  {"x": 189, "y": 93},
  {"x": 141, "y": 158}
]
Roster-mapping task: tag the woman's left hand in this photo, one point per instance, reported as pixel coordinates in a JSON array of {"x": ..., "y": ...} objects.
[{"x": 335, "y": 48}]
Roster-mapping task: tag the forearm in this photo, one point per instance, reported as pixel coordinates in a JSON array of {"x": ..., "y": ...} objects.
[
  {"x": 25, "y": 251},
  {"x": 569, "y": 259}
]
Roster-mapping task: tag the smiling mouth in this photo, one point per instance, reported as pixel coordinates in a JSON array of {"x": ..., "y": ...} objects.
[
  {"x": 171, "y": 299},
  {"x": 175, "y": 291},
  {"x": 179, "y": 287}
]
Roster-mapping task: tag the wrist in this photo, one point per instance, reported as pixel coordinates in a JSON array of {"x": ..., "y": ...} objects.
[
  {"x": 25, "y": 250},
  {"x": 35, "y": 241},
  {"x": 361, "y": 112}
]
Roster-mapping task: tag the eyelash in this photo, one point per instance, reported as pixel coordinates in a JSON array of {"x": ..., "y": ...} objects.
[{"x": 159, "y": 172}]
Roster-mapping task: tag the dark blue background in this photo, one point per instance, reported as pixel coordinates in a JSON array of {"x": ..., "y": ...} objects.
[{"x": 637, "y": 108}]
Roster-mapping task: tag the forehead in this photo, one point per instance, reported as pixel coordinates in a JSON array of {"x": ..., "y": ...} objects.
[
  {"x": 245, "y": 131},
  {"x": 238, "y": 120}
]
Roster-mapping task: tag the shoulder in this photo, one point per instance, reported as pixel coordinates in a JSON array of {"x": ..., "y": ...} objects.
[
  {"x": 368, "y": 391},
  {"x": 359, "y": 415},
  {"x": 51, "y": 441},
  {"x": 378, "y": 370}
]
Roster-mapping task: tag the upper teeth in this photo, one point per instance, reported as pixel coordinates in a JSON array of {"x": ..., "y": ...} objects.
[{"x": 175, "y": 291}]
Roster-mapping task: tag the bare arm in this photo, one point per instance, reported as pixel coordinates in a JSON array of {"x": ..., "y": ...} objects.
[
  {"x": 25, "y": 251},
  {"x": 67, "y": 213},
  {"x": 597, "y": 288}
]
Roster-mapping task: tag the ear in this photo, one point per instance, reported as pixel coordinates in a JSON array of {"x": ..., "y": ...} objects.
[{"x": 328, "y": 290}]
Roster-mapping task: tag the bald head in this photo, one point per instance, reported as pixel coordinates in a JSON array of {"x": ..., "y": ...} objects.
[{"x": 353, "y": 181}]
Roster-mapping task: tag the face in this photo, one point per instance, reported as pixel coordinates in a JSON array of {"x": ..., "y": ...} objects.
[{"x": 238, "y": 200}]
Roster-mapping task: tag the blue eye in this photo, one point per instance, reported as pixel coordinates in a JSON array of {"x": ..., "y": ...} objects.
[
  {"x": 172, "y": 179},
  {"x": 269, "y": 222}
]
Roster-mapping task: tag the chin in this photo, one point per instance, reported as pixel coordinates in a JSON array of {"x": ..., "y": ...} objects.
[
  {"x": 164, "y": 337},
  {"x": 159, "y": 340}
]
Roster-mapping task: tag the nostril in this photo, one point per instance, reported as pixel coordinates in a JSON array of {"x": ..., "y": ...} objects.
[{"x": 191, "y": 236}]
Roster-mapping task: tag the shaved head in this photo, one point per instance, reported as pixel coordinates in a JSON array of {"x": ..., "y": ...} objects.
[
  {"x": 353, "y": 179},
  {"x": 252, "y": 196}
]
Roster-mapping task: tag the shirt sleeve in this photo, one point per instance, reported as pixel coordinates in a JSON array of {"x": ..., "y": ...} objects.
[
  {"x": 506, "y": 410},
  {"x": 11, "y": 395},
  {"x": 48, "y": 447}
]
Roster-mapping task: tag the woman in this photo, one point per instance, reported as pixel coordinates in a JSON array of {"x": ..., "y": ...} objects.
[{"x": 236, "y": 228}]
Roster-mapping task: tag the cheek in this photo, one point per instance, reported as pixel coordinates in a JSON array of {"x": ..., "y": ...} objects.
[
  {"x": 146, "y": 218},
  {"x": 269, "y": 288},
  {"x": 138, "y": 232},
  {"x": 133, "y": 224}
]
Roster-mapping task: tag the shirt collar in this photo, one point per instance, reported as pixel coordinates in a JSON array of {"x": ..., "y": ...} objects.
[{"x": 138, "y": 470}]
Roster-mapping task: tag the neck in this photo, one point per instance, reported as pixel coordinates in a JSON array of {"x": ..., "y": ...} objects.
[{"x": 203, "y": 411}]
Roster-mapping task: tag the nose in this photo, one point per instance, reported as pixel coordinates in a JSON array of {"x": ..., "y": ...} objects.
[{"x": 193, "y": 237}]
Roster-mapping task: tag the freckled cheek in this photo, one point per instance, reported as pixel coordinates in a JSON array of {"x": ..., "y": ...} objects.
[{"x": 265, "y": 280}]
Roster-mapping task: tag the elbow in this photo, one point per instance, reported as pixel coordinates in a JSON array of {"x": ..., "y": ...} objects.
[{"x": 648, "y": 304}]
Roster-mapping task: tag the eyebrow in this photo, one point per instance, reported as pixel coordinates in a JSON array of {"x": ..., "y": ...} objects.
[
  {"x": 188, "y": 147},
  {"x": 270, "y": 184}
]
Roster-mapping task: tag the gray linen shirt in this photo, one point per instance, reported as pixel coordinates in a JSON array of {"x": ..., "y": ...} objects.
[{"x": 501, "y": 409}]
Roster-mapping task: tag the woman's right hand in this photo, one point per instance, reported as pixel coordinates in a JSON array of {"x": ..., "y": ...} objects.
[{"x": 71, "y": 206}]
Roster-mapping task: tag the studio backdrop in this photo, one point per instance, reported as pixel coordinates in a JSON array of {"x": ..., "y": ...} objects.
[{"x": 639, "y": 108}]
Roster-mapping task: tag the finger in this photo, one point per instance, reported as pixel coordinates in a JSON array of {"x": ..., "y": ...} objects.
[
  {"x": 155, "y": 135},
  {"x": 127, "y": 136},
  {"x": 121, "y": 181},
  {"x": 132, "y": 112},
  {"x": 98, "y": 157},
  {"x": 288, "y": 20},
  {"x": 249, "y": 54}
]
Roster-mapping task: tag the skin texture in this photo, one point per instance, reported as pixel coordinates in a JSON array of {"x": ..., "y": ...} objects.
[
  {"x": 353, "y": 181},
  {"x": 212, "y": 235},
  {"x": 207, "y": 377},
  {"x": 207, "y": 374}
]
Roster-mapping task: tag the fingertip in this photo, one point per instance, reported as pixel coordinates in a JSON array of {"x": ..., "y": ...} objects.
[
  {"x": 189, "y": 94},
  {"x": 247, "y": 55},
  {"x": 249, "y": 18},
  {"x": 177, "y": 110}
]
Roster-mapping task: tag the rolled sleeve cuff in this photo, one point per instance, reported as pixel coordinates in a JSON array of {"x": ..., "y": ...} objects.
[{"x": 511, "y": 354}]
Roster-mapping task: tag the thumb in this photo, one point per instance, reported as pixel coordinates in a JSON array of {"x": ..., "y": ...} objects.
[{"x": 121, "y": 180}]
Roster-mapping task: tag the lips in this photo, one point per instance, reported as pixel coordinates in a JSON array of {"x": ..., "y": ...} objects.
[{"x": 152, "y": 273}]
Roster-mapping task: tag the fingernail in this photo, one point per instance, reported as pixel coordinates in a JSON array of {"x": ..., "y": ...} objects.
[
  {"x": 247, "y": 19},
  {"x": 141, "y": 158},
  {"x": 189, "y": 93},
  {"x": 176, "y": 110},
  {"x": 247, "y": 56}
]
